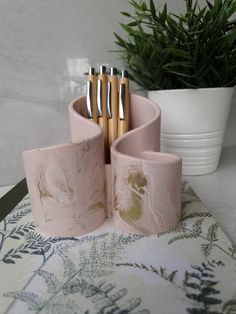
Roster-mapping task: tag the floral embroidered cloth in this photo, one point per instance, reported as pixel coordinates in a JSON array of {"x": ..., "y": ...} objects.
[{"x": 190, "y": 269}]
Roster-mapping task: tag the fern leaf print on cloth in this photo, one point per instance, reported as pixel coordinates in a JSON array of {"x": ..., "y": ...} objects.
[{"x": 189, "y": 269}]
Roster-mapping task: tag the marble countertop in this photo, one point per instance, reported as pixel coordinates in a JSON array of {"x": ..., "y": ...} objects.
[{"x": 217, "y": 191}]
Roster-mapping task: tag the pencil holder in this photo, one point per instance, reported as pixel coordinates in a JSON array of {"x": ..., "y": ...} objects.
[
  {"x": 142, "y": 185},
  {"x": 66, "y": 187}
]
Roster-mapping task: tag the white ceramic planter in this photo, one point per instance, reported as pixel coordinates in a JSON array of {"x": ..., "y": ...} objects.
[{"x": 193, "y": 123}]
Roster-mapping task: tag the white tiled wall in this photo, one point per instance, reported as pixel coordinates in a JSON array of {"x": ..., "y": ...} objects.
[{"x": 45, "y": 46}]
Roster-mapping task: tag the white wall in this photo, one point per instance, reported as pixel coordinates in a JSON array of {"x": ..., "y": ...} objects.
[{"x": 45, "y": 48}]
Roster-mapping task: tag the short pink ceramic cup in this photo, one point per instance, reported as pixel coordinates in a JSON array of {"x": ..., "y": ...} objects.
[
  {"x": 146, "y": 192},
  {"x": 146, "y": 184},
  {"x": 66, "y": 187}
]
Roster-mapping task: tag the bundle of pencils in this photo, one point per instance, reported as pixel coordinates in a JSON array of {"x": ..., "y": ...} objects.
[{"x": 107, "y": 103}]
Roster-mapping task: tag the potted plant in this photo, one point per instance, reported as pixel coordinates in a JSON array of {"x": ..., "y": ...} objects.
[{"x": 187, "y": 63}]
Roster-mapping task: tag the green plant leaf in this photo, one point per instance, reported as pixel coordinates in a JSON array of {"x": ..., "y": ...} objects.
[
  {"x": 178, "y": 64},
  {"x": 152, "y": 8},
  {"x": 125, "y": 14},
  {"x": 209, "y": 5},
  {"x": 136, "y": 5},
  {"x": 132, "y": 24},
  {"x": 127, "y": 28},
  {"x": 163, "y": 14},
  {"x": 181, "y": 74},
  {"x": 196, "y": 48},
  {"x": 179, "y": 52},
  {"x": 121, "y": 42},
  {"x": 144, "y": 6}
]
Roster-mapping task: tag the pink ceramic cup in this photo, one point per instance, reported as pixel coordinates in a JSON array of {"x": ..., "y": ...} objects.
[
  {"x": 146, "y": 183},
  {"x": 66, "y": 187},
  {"x": 142, "y": 185},
  {"x": 147, "y": 192}
]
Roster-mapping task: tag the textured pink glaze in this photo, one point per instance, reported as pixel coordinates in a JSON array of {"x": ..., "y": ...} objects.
[{"x": 66, "y": 187}]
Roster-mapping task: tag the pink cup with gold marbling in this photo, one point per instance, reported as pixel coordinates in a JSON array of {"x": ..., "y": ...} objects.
[
  {"x": 142, "y": 185},
  {"x": 66, "y": 187}
]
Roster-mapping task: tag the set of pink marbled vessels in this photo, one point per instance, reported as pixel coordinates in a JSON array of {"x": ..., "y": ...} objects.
[{"x": 72, "y": 191}]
